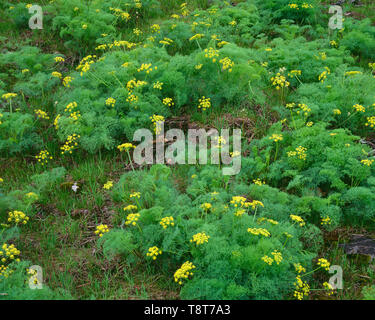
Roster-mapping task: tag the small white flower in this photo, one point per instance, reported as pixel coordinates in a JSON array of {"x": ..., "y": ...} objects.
[{"x": 75, "y": 187}]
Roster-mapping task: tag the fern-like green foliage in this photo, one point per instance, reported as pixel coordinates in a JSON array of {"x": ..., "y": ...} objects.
[
  {"x": 16, "y": 287},
  {"x": 229, "y": 265}
]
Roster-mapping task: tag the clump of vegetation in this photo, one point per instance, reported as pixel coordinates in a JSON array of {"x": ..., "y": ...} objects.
[{"x": 73, "y": 200}]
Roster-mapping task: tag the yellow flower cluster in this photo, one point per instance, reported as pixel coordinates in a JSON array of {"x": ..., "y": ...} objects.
[
  {"x": 75, "y": 115},
  {"x": 121, "y": 43},
  {"x": 168, "y": 102},
  {"x": 268, "y": 220},
  {"x": 56, "y": 74},
  {"x": 267, "y": 260},
  {"x": 131, "y": 98},
  {"x": 101, "y": 47},
  {"x": 259, "y": 231},
  {"x": 279, "y": 81},
  {"x": 5, "y": 271},
  {"x": 326, "y": 221},
  {"x": 135, "y": 84},
  {"x": 85, "y": 64},
  {"x": 184, "y": 272},
  {"x": 137, "y": 31},
  {"x": 276, "y": 137},
  {"x": 200, "y": 238},
  {"x": 352, "y": 73},
  {"x": 219, "y": 141},
  {"x": 302, "y": 288},
  {"x": 222, "y": 43},
  {"x": 328, "y": 287},
  {"x": 165, "y": 41},
  {"x": 130, "y": 207},
  {"x": 43, "y": 157},
  {"x": 119, "y": 13},
  {"x": 70, "y": 144},
  {"x": 158, "y": 121},
  {"x": 138, "y": 4},
  {"x": 211, "y": 53},
  {"x": 336, "y": 111},
  {"x": 67, "y": 80},
  {"x": 153, "y": 252},
  {"x": 324, "y": 263},
  {"x": 41, "y": 114},
  {"x": 158, "y": 85},
  {"x": 300, "y": 153},
  {"x": 110, "y": 102},
  {"x": 333, "y": 43},
  {"x": 307, "y": 5},
  {"x": 125, "y": 146},
  {"x": 184, "y": 9},
  {"x": 299, "y": 268},
  {"x": 253, "y": 204},
  {"x": 56, "y": 121},
  {"x": 297, "y": 219},
  {"x": 304, "y": 109},
  {"x": 132, "y": 219},
  {"x": 146, "y": 67},
  {"x": 59, "y": 59},
  {"x": 290, "y": 105},
  {"x": 108, "y": 185},
  {"x": 370, "y": 122},
  {"x": 239, "y": 212},
  {"x": 293, "y": 73},
  {"x": 324, "y": 74},
  {"x": 135, "y": 195},
  {"x": 235, "y": 154},
  {"x": 196, "y": 36},
  {"x": 155, "y": 28},
  {"x": 9, "y": 95},
  {"x": 204, "y": 103},
  {"x": 367, "y": 162},
  {"x": 206, "y": 206},
  {"x": 233, "y": 23},
  {"x": 359, "y": 108},
  {"x": 70, "y": 106},
  {"x": 31, "y": 273},
  {"x": 17, "y": 217},
  {"x": 293, "y": 6},
  {"x": 238, "y": 200},
  {"x": 32, "y": 195},
  {"x": 167, "y": 221},
  {"x": 323, "y": 56},
  {"x": 277, "y": 256},
  {"x": 227, "y": 63},
  {"x": 101, "y": 229},
  {"x": 9, "y": 253}
]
